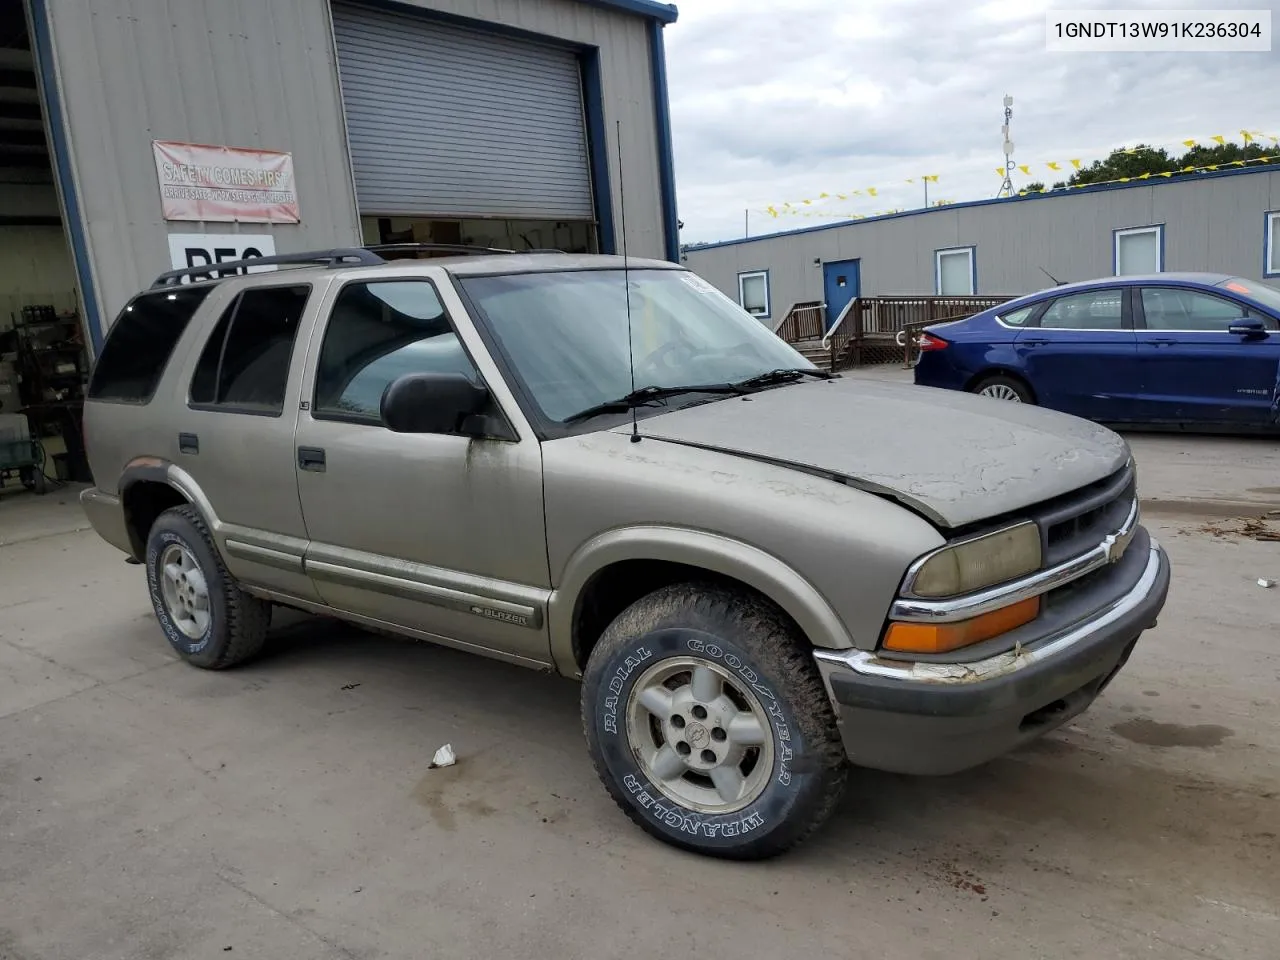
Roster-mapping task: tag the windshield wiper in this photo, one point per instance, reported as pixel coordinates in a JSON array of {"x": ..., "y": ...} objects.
[
  {"x": 649, "y": 395},
  {"x": 782, "y": 375}
]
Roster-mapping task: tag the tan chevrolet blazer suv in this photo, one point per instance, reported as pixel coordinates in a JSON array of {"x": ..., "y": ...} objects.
[{"x": 761, "y": 573}]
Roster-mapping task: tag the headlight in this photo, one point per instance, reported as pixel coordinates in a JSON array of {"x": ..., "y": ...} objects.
[{"x": 978, "y": 563}]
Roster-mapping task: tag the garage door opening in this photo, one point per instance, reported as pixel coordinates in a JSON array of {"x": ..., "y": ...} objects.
[
  {"x": 461, "y": 135},
  {"x": 43, "y": 355},
  {"x": 568, "y": 236}
]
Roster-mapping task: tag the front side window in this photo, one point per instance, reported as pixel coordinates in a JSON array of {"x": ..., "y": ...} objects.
[
  {"x": 753, "y": 293},
  {"x": 1167, "y": 308},
  {"x": 1095, "y": 310},
  {"x": 568, "y": 338},
  {"x": 1138, "y": 251},
  {"x": 377, "y": 333},
  {"x": 954, "y": 272},
  {"x": 140, "y": 343},
  {"x": 245, "y": 363}
]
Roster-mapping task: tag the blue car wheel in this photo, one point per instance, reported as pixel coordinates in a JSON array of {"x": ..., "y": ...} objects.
[{"x": 1003, "y": 388}]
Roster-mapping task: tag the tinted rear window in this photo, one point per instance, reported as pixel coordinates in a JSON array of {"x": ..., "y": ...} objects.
[
  {"x": 140, "y": 343},
  {"x": 245, "y": 363}
]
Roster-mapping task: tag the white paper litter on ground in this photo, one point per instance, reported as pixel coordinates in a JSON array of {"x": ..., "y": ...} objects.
[
  {"x": 1263, "y": 582},
  {"x": 445, "y": 757}
]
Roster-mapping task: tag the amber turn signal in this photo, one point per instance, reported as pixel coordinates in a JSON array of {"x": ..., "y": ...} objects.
[{"x": 944, "y": 637}]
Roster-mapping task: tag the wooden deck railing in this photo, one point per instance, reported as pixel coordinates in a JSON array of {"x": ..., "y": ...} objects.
[
  {"x": 804, "y": 321},
  {"x": 878, "y": 321}
]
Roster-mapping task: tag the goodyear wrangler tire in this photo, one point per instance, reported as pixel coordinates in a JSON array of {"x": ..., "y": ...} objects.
[
  {"x": 708, "y": 723},
  {"x": 207, "y": 619}
]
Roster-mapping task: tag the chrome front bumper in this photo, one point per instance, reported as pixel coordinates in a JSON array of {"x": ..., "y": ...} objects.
[{"x": 939, "y": 717}]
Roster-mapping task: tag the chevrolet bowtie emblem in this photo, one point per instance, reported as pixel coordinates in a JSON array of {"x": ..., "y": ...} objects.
[{"x": 1113, "y": 546}]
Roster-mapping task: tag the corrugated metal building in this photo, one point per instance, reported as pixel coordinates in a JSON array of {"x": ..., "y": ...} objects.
[
  {"x": 1224, "y": 221},
  {"x": 493, "y": 122}
]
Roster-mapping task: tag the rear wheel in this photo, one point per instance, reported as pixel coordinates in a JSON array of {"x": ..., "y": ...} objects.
[
  {"x": 709, "y": 725},
  {"x": 208, "y": 620},
  {"x": 1001, "y": 387}
]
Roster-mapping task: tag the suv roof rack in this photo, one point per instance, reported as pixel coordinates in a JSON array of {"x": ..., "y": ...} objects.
[
  {"x": 357, "y": 256},
  {"x": 367, "y": 256}
]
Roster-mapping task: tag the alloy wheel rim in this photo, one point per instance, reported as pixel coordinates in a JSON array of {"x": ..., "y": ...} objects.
[
  {"x": 1000, "y": 391},
  {"x": 700, "y": 736},
  {"x": 184, "y": 591}
]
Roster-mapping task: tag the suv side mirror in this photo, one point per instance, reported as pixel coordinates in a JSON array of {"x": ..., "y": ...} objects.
[
  {"x": 1248, "y": 328},
  {"x": 434, "y": 403}
]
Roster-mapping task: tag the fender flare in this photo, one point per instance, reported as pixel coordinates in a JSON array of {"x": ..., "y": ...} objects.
[
  {"x": 159, "y": 470},
  {"x": 715, "y": 553}
]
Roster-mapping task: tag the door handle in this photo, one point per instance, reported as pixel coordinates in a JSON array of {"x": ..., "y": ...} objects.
[
  {"x": 188, "y": 443},
  {"x": 1161, "y": 341},
  {"x": 1033, "y": 342},
  {"x": 311, "y": 458}
]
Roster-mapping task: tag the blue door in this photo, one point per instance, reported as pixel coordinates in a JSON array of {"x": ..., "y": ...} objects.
[
  {"x": 1080, "y": 356},
  {"x": 1194, "y": 370},
  {"x": 841, "y": 280}
]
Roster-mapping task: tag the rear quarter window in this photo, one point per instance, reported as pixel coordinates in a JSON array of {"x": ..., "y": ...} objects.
[{"x": 140, "y": 343}]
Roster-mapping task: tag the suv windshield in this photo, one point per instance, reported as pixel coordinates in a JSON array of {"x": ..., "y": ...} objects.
[{"x": 564, "y": 333}]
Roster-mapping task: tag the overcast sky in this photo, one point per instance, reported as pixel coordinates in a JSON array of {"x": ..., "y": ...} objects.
[{"x": 779, "y": 101}]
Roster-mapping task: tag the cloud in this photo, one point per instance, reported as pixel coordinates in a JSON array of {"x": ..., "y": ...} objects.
[{"x": 773, "y": 104}]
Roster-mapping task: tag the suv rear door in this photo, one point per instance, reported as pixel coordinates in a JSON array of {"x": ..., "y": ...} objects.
[
  {"x": 233, "y": 421},
  {"x": 439, "y": 533}
]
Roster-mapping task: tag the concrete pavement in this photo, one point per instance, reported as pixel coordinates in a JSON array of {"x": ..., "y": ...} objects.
[{"x": 286, "y": 808}]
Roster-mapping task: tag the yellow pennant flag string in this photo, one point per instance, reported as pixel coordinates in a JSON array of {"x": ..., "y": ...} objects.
[
  {"x": 1207, "y": 168},
  {"x": 808, "y": 206},
  {"x": 796, "y": 207}
]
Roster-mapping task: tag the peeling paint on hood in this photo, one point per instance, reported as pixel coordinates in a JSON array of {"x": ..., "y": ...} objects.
[{"x": 954, "y": 457}]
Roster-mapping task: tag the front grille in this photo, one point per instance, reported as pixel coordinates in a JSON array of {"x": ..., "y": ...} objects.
[
  {"x": 1065, "y": 596},
  {"x": 1077, "y": 522}
]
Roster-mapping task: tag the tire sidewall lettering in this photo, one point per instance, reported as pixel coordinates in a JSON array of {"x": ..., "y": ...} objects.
[
  {"x": 610, "y": 697},
  {"x": 178, "y": 639}
]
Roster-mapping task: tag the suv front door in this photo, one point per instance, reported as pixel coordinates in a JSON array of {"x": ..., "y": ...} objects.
[
  {"x": 1194, "y": 370},
  {"x": 439, "y": 533}
]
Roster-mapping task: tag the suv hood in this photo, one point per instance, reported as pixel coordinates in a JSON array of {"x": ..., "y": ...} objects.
[{"x": 953, "y": 457}]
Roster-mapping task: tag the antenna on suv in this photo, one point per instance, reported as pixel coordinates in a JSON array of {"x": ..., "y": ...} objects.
[{"x": 626, "y": 281}]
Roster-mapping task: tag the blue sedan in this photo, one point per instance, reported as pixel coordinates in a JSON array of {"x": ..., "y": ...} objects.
[{"x": 1175, "y": 349}]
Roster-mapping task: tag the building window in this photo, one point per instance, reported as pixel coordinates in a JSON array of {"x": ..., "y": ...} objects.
[
  {"x": 1139, "y": 250},
  {"x": 753, "y": 293},
  {"x": 955, "y": 272},
  {"x": 1271, "y": 263}
]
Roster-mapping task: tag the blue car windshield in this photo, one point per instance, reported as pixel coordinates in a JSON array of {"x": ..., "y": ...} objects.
[{"x": 1269, "y": 297}]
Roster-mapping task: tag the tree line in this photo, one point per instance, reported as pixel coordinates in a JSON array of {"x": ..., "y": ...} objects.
[{"x": 1135, "y": 161}]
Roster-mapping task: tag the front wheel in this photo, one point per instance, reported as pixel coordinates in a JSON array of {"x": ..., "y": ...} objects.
[
  {"x": 1000, "y": 387},
  {"x": 709, "y": 725}
]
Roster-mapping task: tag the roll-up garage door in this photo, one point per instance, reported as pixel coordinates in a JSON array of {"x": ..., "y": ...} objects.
[{"x": 446, "y": 120}]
